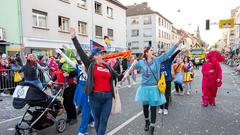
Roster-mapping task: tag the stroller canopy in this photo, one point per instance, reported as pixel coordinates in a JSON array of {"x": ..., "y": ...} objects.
[{"x": 34, "y": 97}]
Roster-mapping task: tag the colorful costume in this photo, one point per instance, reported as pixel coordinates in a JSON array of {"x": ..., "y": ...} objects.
[
  {"x": 66, "y": 67},
  {"x": 187, "y": 73},
  {"x": 209, "y": 80},
  {"x": 148, "y": 92},
  {"x": 81, "y": 99}
]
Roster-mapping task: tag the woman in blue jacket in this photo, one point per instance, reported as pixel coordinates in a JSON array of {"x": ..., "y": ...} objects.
[{"x": 148, "y": 93}]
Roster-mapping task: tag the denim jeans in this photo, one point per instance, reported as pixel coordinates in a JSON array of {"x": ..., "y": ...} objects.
[
  {"x": 87, "y": 118},
  {"x": 36, "y": 83},
  {"x": 101, "y": 105}
]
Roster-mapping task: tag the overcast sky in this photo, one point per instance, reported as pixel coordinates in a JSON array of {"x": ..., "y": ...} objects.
[{"x": 193, "y": 13}]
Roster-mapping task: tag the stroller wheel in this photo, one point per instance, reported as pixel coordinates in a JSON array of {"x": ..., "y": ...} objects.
[
  {"x": 61, "y": 125},
  {"x": 20, "y": 132}
]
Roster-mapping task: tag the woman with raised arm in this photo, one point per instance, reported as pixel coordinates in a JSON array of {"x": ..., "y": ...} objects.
[
  {"x": 99, "y": 85},
  {"x": 148, "y": 93},
  {"x": 30, "y": 68}
]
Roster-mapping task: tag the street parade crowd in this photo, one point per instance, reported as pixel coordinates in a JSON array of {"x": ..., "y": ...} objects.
[{"x": 81, "y": 76}]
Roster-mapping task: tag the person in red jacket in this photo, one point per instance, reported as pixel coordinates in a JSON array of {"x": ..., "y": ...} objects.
[{"x": 212, "y": 78}]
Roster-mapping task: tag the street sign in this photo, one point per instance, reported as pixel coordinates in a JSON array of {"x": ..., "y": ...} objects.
[{"x": 228, "y": 23}]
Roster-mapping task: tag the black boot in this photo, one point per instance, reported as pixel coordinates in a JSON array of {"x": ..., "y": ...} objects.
[
  {"x": 147, "y": 124},
  {"x": 151, "y": 131}
]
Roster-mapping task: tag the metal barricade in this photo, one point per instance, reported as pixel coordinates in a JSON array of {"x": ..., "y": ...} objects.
[{"x": 7, "y": 80}]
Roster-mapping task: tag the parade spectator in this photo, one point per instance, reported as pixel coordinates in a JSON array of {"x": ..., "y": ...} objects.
[
  {"x": 5, "y": 74},
  {"x": 15, "y": 68},
  {"x": 30, "y": 68},
  {"x": 100, "y": 94}
]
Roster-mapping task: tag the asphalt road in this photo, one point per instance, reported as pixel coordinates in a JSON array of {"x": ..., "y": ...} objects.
[{"x": 186, "y": 115}]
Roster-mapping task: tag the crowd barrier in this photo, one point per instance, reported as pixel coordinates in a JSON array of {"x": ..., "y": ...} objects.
[{"x": 7, "y": 79}]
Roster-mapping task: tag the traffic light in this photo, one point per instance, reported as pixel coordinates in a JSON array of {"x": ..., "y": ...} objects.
[{"x": 207, "y": 24}]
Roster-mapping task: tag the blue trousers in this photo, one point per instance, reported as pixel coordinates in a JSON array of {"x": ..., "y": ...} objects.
[
  {"x": 101, "y": 105},
  {"x": 36, "y": 83},
  {"x": 86, "y": 117}
]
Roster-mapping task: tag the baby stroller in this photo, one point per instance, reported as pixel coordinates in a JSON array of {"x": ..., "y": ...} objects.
[{"x": 41, "y": 112}]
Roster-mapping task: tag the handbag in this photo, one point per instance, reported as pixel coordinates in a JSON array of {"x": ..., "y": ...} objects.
[
  {"x": 161, "y": 82},
  {"x": 17, "y": 77},
  {"x": 116, "y": 102},
  {"x": 179, "y": 77}
]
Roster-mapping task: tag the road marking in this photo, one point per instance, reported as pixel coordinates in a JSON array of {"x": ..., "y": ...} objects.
[
  {"x": 5, "y": 121},
  {"x": 124, "y": 124}
]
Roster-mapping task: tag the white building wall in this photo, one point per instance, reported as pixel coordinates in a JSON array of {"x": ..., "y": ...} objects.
[
  {"x": 52, "y": 38},
  {"x": 154, "y": 26},
  {"x": 140, "y": 26}
]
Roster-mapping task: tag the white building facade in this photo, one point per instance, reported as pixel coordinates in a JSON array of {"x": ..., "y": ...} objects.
[
  {"x": 234, "y": 33},
  {"x": 147, "y": 28},
  {"x": 46, "y": 24}
]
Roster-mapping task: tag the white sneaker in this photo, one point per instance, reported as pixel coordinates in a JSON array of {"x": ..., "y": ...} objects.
[
  {"x": 165, "y": 111},
  {"x": 188, "y": 93},
  {"x": 92, "y": 124},
  {"x": 129, "y": 86},
  {"x": 82, "y": 133},
  {"x": 160, "y": 111}
]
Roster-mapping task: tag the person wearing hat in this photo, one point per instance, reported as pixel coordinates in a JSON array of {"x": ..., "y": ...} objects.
[{"x": 99, "y": 85}]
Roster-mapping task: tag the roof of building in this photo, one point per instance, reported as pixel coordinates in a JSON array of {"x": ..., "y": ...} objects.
[
  {"x": 117, "y": 3},
  {"x": 142, "y": 9}
]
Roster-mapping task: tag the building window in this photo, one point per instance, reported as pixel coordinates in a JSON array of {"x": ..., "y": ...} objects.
[
  {"x": 63, "y": 24},
  {"x": 82, "y": 3},
  {"x": 147, "y": 43},
  {"x": 98, "y": 8},
  {"x": 109, "y": 12},
  {"x": 39, "y": 19},
  {"x": 147, "y": 20},
  {"x": 159, "y": 33},
  {"x": 110, "y": 33},
  {"x": 135, "y": 32},
  {"x": 159, "y": 21},
  {"x": 82, "y": 28},
  {"x": 147, "y": 32},
  {"x": 98, "y": 31},
  {"x": 134, "y": 21},
  {"x": 134, "y": 44}
]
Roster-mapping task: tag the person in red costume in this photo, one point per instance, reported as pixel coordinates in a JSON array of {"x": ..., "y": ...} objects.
[{"x": 212, "y": 78}]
